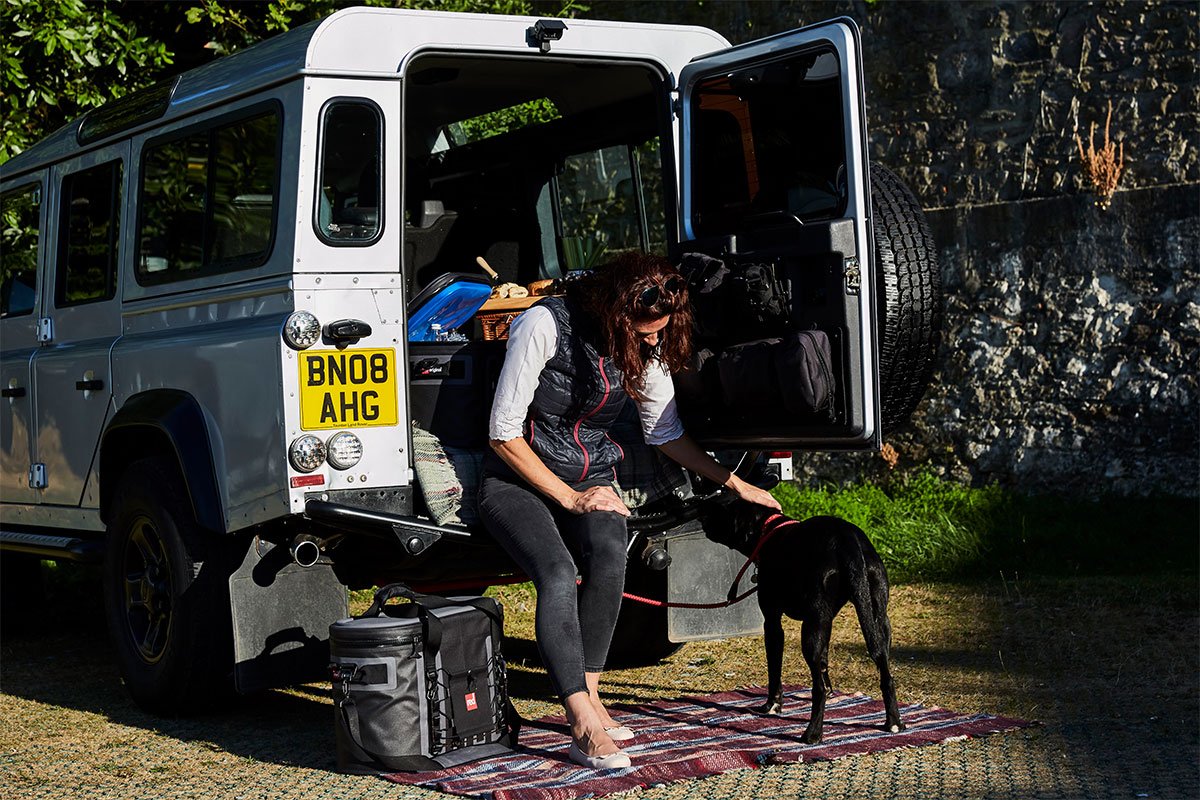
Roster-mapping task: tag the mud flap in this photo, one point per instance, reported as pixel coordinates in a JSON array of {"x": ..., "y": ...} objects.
[
  {"x": 700, "y": 572},
  {"x": 281, "y": 618}
]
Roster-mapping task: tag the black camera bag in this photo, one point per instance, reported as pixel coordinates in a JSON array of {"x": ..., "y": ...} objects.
[
  {"x": 734, "y": 301},
  {"x": 420, "y": 686}
]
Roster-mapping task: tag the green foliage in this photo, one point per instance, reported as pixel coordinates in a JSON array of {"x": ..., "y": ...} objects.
[
  {"x": 504, "y": 120},
  {"x": 237, "y": 25},
  {"x": 62, "y": 57},
  {"x": 926, "y": 527}
]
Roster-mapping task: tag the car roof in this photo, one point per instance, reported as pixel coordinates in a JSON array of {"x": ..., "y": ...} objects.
[{"x": 378, "y": 43}]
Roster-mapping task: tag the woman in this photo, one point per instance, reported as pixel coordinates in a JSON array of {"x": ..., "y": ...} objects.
[{"x": 547, "y": 491}]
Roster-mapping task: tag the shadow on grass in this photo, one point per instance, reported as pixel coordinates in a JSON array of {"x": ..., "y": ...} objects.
[
  {"x": 61, "y": 657},
  {"x": 64, "y": 659}
]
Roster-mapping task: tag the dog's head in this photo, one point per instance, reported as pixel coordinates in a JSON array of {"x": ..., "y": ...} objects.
[{"x": 731, "y": 521}]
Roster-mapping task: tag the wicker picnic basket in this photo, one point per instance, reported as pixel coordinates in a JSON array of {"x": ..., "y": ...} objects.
[
  {"x": 495, "y": 316},
  {"x": 495, "y": 326}
]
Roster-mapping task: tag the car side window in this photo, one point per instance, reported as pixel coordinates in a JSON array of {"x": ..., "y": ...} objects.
[
  {"x": 208, "y": 201},
  {"x": 20, "y": 217},
  {"x": 610, "y": 200},
  {"x": 349, "y": 197},
  {"x": 89, "y": 236}
]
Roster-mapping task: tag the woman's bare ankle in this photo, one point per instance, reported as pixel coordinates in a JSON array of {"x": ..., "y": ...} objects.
[
  {"x": 587, "y": 726},
  {"x": 602, "y": 712}
]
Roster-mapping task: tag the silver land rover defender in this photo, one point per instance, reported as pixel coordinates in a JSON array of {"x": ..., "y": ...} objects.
[{"x": 249, "y": 354}]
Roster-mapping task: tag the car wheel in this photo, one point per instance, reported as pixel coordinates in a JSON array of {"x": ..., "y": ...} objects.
[
  {"x": 640, "y": 638},
  {"x": 909, "y": 297},
  {"x": 166, "y": 594}
]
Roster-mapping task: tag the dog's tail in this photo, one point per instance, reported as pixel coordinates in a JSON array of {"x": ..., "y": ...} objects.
[{"x": 869, "y": 594}]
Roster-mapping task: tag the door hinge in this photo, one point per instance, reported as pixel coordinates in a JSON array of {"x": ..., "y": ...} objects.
[
  {"x": 853, "y": 275},
  {"x": 45, "y": 329},
  {"x": 37, "y": 476}
]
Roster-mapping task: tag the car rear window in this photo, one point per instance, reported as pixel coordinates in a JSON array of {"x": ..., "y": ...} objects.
[{"x": 769, "y": 144}]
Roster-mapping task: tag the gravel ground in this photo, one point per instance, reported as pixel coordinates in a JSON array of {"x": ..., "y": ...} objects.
[{"x": 1108, "y": 665}]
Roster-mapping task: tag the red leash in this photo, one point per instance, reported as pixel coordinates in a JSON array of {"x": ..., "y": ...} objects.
[{"x": 733, "y": 596}]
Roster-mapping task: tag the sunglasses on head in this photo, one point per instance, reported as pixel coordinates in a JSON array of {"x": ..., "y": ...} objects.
[{"x": 668, "y": 288}]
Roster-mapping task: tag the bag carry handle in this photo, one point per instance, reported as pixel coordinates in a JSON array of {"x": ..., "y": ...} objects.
[{"x": 426, "y": 601}]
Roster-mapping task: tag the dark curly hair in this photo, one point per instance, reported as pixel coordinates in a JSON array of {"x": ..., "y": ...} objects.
[{"x": 610, "y": 294}]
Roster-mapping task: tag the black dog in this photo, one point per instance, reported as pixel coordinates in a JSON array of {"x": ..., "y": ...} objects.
[{"x": 809, "y": 570}]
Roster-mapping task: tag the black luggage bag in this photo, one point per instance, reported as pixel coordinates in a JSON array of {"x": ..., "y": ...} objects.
[
  {"x": 420, "y": 686},
  {"x": 771, "y": 376}
]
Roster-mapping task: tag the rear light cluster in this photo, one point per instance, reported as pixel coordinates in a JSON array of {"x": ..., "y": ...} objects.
[
  {"x": 342, "y": 450},
  {"x": 301, "y": 330}
]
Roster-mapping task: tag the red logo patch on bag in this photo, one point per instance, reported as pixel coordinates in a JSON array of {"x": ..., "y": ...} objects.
[{"x": 471, "y": 704}]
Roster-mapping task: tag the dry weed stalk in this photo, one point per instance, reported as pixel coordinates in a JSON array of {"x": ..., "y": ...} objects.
[
  {"x": 890, "y": 455},
  {"x": 1104, "y": 167}
]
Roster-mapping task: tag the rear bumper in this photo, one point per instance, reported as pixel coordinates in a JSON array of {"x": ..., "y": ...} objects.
[{"x": 413, "y": 534}]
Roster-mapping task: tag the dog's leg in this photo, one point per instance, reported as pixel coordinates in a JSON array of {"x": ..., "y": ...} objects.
[
  {"x": 877, "y": 632},
  {"x": 773, "y": 641},
  {"x": 814, "y": 640},
  {"x": 886, "y": 685}
]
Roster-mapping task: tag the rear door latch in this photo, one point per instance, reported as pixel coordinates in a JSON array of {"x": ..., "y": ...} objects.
[{"x": 852, "y": 274}]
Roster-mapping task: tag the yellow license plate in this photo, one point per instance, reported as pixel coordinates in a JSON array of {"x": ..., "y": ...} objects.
[{"x": 347, "y": 388}]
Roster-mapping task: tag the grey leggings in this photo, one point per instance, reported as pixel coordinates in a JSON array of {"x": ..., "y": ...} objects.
[{"x": 574, "y": 625}]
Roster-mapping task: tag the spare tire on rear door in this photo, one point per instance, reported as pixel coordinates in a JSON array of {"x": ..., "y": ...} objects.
[{"x": 909, "y": 299}]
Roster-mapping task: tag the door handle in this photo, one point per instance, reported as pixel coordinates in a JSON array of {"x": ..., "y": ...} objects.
[
  {"x": 12, "y": 391},
  {"x": 91, "y": 385}
]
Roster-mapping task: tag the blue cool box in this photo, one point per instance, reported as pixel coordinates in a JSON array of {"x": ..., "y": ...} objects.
[{"x": 449, "y": 301}]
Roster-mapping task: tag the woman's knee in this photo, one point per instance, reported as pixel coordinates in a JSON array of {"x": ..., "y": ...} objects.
[
  {"x": 604, "y": 547},
  {"x": 556, "y": 573}
]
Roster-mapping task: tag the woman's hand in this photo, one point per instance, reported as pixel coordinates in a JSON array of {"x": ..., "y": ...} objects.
[
  {"x": 688, "y": 454},
  {"x": 752, "y": 494},
  {"x": 597, "y": 498}
]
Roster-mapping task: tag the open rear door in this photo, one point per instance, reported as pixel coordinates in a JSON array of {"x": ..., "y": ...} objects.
[{"x": 775, "y": 186}]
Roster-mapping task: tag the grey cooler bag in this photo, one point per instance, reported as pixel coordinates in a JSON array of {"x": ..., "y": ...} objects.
[{"x": 420, "y": 686}]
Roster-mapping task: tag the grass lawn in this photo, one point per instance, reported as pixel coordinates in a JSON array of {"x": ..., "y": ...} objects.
[{"x": 1100, "y": 643}]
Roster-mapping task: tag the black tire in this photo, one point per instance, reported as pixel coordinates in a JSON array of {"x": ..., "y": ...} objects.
[
  {"x": 166, "y": 594},
  {"x": 909, "y": 297},
  {"x": 640, "y": 638}
]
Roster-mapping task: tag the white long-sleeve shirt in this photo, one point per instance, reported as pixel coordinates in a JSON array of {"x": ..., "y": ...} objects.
[{"x": 532, "y": 341}]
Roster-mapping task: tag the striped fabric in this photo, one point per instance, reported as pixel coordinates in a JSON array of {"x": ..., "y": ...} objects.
[
  {"x": 448, "y": 477},
  {"x": 699, "y": 736}
]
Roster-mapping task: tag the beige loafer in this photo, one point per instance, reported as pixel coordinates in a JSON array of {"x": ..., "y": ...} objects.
[
  {"x": 620, "y": 733},
  {"x": 617, "y": 760}
]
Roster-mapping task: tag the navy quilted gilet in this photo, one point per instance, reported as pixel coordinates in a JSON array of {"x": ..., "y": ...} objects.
[{"x": 578, "y": 397}]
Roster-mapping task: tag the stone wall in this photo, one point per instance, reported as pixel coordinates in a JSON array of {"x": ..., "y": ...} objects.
[{"x": 1072, "y": 336}]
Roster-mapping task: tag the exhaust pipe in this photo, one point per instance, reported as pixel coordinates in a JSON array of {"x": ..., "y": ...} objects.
[{"x": 305, "y": 549}]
